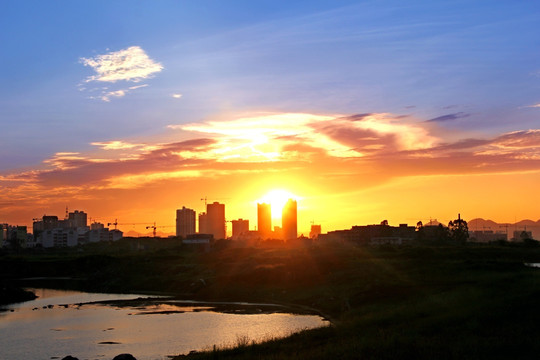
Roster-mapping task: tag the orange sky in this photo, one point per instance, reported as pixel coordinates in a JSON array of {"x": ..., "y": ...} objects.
[{"x": 345, "y": 169}]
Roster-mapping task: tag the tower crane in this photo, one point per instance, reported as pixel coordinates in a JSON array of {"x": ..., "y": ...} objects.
[
  {"x": 205, "y": 199},
  {"x": 154, "y": 227},
  {"x": 116, "y": 223}
]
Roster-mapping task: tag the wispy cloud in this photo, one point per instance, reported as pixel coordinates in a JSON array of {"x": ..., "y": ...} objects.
[
  {"x": 127, "y": 65},
  {"x": 106, "y": 95},
  {"x": 449, "y": 117},
  {"x": 131, "y": 64},
  {"x": 115, "y": 145},
  {"x": 117, "y": 93}
]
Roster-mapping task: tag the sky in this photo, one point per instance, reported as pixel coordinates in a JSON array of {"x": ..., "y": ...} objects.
[{"x": 363, "y": 110}]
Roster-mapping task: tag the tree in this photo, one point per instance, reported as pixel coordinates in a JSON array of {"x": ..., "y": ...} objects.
[{"x": 458, "y": 229}]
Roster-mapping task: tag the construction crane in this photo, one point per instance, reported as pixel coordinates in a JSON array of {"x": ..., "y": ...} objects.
[
  {"x": 205, "y": 199},
  {"x": 154, "y": 227},
  {"x": 116, "y": 223}
]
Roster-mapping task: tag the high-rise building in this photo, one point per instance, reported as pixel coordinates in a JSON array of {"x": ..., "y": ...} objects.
[
  {"x": 240, "y": 227},
  {"x": 288, "y": 220},
  {"x": 77, "y": 219},
  {"x": 215, "y": 213},
  {"x": 264, "y": 220},
  {"x": 203, "y": 223},
  {"x": 185, "y": 222}
]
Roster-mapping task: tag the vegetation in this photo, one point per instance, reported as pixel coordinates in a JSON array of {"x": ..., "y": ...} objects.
[{"x": 423, "y": 301}]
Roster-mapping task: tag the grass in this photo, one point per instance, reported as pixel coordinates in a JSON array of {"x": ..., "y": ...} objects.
[{"x": 427, "y": 301}]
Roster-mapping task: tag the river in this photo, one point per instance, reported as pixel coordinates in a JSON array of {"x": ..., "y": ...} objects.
[{"x": 100, "y": 326}]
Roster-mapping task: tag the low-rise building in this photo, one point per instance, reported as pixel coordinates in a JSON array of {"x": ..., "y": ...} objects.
[
  {"x": 240, "y": 228},
  {"x": 59, "y": 238},
  {"x": 198, "y": 239},
  {"x": 371, "y": 234},
  {"x": 486, "y": 236}
]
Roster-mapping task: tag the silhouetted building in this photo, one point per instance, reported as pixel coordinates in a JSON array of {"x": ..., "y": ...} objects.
[
  {"x": 98, "y": 235},
  {"x": 3, "y": 235},
  {"x": 203, "y": 223},
  {"x": 486, "y": 236},
  {"x": 59, "y": 237},
  {"x": 17, "y": 236},
  {"x": 96, "y": 226},
  {"x": 50, "y": 222},
  {"x": 185, "y": 222},
  {"x": 372, "y": 234},
  {"x": 289, "y": 220},
  {"x": 240, "y": 228},
  {"x": 521, "y": 235},
  {"x": 115, "y": 235},
  {"x": 215, "y": 214},
  {"x": 102, "y": 234},
  {"x": 264, "y": 220},
  {"x": 198, "y": 239},
  {"x": 277, "y": 233},
  {"x": 315, "y": 231},
  {"x": 77, "y": 219}
]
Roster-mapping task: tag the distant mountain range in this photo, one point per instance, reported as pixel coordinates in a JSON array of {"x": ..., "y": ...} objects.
[{"x": 529, "y": 225}]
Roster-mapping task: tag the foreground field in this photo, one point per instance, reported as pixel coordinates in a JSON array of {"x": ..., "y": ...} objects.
[{"x": 411, "y": 302}]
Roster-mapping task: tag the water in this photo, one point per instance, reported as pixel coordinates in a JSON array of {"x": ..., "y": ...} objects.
[{"x": 61, "y": 323}]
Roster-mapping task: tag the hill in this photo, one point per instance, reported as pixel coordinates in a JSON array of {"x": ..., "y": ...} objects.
[{"x": 529, "y": 225}]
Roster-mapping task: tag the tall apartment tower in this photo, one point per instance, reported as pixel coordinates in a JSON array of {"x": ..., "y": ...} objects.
[
  {"x": 215, "y": 220},
  {"x": 288, "y": 220},
  {"x": 264, "y": 220},
  {"x": 185, "y": 222},
  {"x": 203, "y": 223}
]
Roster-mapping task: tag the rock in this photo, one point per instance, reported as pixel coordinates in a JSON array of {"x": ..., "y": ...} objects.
[
  {"x": 124, "y": 357},
  {"x": 69, "y": 357}
]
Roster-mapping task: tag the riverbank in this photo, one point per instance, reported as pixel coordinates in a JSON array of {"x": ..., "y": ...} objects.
[
  {"x": 11, "y": 295},
  {"x": 423, "y": 301}
]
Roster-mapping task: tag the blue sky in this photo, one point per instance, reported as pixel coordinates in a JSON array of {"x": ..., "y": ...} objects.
[
  {"x": 458, "y": 69},
  {"x": 423, "y": 58}
]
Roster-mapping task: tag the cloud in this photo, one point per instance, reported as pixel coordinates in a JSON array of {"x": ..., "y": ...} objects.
[
  {"x": 131, "y": 64},
  {"x": 106, "y": 95},
  {"x": 115, "y": 145},
  {"x": 336, "y": 136},
  {"x": 529, "y": 139},
  {"x": 118, "y": 93},
  {"x": 127, "y": 65},
  {"x": 349, "y": 151},
  {"x": 534, "y": 106},
  {"x": 176, "y": 96},
  {"x": 449, "y": 117}
]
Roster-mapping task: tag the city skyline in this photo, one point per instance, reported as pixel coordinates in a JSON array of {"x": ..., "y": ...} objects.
[{"x": 363, "y": 110}]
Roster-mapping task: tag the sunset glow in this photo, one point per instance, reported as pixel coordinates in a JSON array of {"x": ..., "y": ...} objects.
[
  {"x": 295, "y": 102},
  {"x": 277, "y": 199}
]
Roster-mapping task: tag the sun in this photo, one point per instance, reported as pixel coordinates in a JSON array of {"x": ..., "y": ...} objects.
[{"x": 277, "y": 198}]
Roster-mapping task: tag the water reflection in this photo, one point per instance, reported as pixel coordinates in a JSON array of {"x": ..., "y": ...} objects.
[{"x": 95, "y": 326}]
